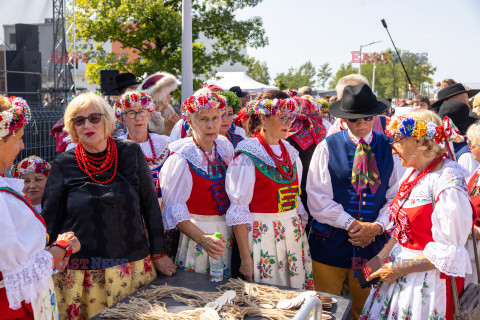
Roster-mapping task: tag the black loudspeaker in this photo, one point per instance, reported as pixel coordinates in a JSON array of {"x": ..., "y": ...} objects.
[
  {"x": 108, "y": 83},
  {"x": 26, "y": 61},
  {"x": 18, "y": 83},
  {"x": 26, "y": 37}
]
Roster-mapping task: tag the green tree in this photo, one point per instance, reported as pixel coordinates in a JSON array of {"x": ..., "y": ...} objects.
[
  {"x": 258, "y": 70},
  {"x": 390, "y": 79},
  {"x": 344, "y": 70},
  {"x": 153, "y": 28},
  {"x": 296, "y": 78},
  {"x": 324, "y": 73}
]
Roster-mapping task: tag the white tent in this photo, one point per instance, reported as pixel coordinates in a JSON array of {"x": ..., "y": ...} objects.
[{"x": 226, "y": 80}]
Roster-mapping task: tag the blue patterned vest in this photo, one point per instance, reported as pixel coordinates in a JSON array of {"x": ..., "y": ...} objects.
[{"x": 329, "y": 245}]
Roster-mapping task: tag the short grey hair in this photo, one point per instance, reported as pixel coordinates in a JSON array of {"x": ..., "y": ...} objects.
[{"x": 350, "y": 80}]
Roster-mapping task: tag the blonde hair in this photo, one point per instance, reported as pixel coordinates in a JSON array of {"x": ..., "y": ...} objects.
[
  {"x": 82, "y": 102},
  {"x": 476, "y": 101},
  {"x": 429, "y": 147},
  {"x": 350, "y": 80},
  {"x": 473, "y": 134}
]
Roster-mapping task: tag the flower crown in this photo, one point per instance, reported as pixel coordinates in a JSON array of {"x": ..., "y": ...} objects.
[
  {"x": 30, "y": 166},
  {"x": 410, "y": 127},
  {"x": 273, "y": 106},
  {"x": 209, "y": 100},
  {"x": 292, "y": 93},
  {"x": 15, "y": 117},
  {"x": 127, "y": 100},
  {"x": 232, "y": 100},
  {"x": 322, "y": 107}
]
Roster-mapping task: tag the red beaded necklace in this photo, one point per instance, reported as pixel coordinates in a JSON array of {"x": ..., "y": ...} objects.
[
  {"x": 152, "y": 160},
  {"x": 280, "y": 161},
  {"x": 94, "y": 166},
  {"x": 211, "y": 164},
  {"x": 407, "y": 186}
]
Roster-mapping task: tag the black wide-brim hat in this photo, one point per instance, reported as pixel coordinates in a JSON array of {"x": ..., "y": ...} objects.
[
  {"x": 358, "y": 102},
  {"x": 451, "y": 91},
  {"x": 124, "y": 80},
  {"x": 459, "y": 113}
]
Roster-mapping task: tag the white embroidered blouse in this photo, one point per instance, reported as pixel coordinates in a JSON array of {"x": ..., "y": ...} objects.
[
  {"x": 176, "y": 179},
  {"x": 240, "y": 180},
  {"x": 25, "y": 265}
]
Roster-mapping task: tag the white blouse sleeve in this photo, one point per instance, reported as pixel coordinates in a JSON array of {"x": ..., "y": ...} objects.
[
  {"x": 26, "y": 268},
  {"x": 176, "y": 133},
  {"x": 320, "y": 193},
  {"x": 451, "y": 225},
  {"x": 239, "y": 185},
  {"x": 300, "y": 208},
  {"x": 176, "y": 184},
  {"x": 467, "y": 161},
  {"x": 383, "y": 218}
]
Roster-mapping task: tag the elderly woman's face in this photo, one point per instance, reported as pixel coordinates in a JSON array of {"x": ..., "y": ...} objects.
[
  {"x": 9, "y": 148},
  {"x": 34, "y": 186},
  {"x": 91, "y": 134},
  {"x": 206, "y": 124},
  {"x": 227, "y": 120},
  {"x": 407, "y": 150},
  {"x": 136, "y": 118},
  {"x": 278, "y": 125},
  {"x": 475, "y": 148}
]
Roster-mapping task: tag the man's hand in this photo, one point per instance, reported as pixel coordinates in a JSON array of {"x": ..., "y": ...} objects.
[{"x": 362, "y": 237}]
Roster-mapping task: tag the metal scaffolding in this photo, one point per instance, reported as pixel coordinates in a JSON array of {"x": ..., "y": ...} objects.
[{"x": 63, "y": 44}]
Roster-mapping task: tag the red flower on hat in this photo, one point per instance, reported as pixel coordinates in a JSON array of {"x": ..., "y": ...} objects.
[
  {"x": 290, "y": 107},
  {"x": 144, "y": 101},
  {"x": 203, "y": 100},
  {"x": 190, "y": 109},
  {"x": 24, "y": 165}
]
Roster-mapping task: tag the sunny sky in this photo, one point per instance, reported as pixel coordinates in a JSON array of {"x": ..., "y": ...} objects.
[{"x": 328, "y": 30}]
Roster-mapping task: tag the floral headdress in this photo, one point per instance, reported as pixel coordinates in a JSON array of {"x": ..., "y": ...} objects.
[
  {"x": 322, "y": 107},
  {"x": 273, "y": 106},
  {"x": 30, "y": 166},
  {"x": 127, "y": 100},
  {"x": 209, "y": 100},
  {"x": 409, "y": 127},
  {"x": 232, "y": 100},
  {"x": 15, "y": 117},
  {"x": 292, "y": 93}
]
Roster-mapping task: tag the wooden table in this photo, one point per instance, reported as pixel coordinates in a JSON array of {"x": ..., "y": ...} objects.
[{"x": 201, "y": 282}]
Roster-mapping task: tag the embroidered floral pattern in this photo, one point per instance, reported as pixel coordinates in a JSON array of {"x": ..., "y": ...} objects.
[
  {"x": 279, "y": 231},
  {"x": 265, "y": 264},
  {"x": 258, "y": 229},
  {"x": 84, "y": 293}
]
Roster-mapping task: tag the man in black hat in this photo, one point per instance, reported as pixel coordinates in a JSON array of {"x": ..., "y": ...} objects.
[
  {"x": 351, "y": 180},
  {"x": 125, "y": 82},
  {"x": 243, "y": 95},
  {"x": 454, "y": 91},
  {"x": 462, "y": 118}
]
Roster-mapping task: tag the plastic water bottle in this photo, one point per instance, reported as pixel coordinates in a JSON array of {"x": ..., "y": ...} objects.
[{"x": 216, "y": 266}]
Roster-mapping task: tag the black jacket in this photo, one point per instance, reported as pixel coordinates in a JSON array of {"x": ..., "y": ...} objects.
[{"x": 116, "y": 223}]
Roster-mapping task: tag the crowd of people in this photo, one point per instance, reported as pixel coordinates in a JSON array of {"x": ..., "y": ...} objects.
[{"x": 283, "y": 189}]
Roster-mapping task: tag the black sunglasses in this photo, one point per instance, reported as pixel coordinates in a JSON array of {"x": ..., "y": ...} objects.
[
  {"x": 364, "y": 119},
  {"x": 93, "y": 118}
]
